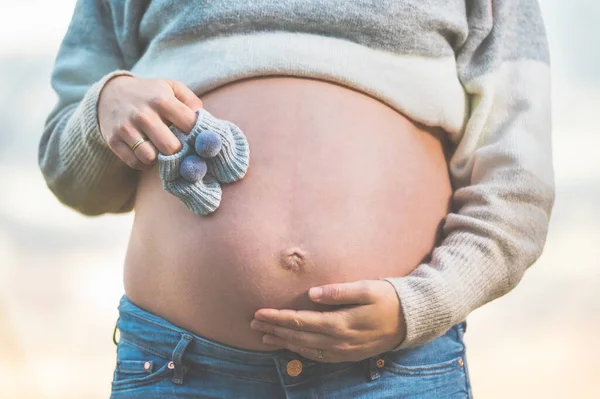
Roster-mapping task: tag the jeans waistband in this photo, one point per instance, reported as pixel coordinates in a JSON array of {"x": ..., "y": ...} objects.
[{"x": 164, "y": 339}]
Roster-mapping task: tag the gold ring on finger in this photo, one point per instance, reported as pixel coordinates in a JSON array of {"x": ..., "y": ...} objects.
[{"x": 137, "y": 143}]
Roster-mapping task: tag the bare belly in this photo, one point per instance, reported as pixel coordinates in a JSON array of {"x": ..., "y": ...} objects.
[{"x": 340, "y": 187}]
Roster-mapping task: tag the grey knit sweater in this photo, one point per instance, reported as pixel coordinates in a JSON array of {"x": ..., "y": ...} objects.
[{"x": 477, "y": 68}]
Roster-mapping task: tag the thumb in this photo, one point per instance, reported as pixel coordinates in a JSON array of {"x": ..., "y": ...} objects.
[{"x": 357, "y": 292}]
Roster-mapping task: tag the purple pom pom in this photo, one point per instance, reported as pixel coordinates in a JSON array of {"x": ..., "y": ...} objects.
[
  {"x": 208, "y": 144},
  {"x": 193, "y": 168}
]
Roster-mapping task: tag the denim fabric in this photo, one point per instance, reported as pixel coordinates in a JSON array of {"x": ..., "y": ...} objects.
[{"x": 156, "y": 359}]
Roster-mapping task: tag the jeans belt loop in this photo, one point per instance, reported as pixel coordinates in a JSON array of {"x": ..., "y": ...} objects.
[
  {"x": 180, "y": 369},
  {"x": 371, "y": 369}
]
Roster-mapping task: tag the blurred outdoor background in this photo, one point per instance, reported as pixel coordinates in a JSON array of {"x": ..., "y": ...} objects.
[{"x": 60, "y": 272}]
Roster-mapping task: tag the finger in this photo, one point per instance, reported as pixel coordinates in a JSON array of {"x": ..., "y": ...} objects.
[
  {"x": 123, "y": 151},
  {"x": 357, "y": 292},
  {"x": 176, "y": 112},
  {"x": 146, "y": 152},
  {"x": 307, "y": 320},
  {"x": 161, "y": 136},
  {"x": 307, "y": 352},
  {"x": 303, "y": 338},
  {"x": 120, "y": 143},
  {"x": 185, "y": 95}
]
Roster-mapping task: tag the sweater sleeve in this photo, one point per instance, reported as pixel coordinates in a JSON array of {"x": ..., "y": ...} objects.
[
  {"x": 501, "y": 170},
  {"x": 77, "y": 164}
]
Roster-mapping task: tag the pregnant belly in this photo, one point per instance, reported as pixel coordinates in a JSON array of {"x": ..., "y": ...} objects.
[{"x": 340, "y": 188}]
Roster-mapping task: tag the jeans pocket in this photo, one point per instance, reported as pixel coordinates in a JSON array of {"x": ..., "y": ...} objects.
[
  {"x": 444, "y": 354},
  {"x": 433, "y": 370},
  {"x": 137, "y": 367},
  {"x": 447, "y": 366}
]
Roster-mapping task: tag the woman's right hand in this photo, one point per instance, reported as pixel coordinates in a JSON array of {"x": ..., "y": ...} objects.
[{"x": 130, "y": 108}]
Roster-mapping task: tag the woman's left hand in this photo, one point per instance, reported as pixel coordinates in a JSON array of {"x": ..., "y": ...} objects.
[{"x": 372, "y": 324}]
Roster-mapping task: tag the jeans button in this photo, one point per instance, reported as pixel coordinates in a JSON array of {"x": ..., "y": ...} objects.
[{"x": 294, "y": 367}]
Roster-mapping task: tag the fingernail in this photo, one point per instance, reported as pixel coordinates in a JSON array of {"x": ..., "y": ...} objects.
[
  {"x": 259, "y": 316},
  {"x": 316, "y": 293}
]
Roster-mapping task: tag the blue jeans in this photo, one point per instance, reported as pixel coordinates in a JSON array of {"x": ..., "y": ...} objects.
[{"x": 156, "y": 359}]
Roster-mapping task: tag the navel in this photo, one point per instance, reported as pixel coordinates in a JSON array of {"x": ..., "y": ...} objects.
[{"x": 294, "y": 259}]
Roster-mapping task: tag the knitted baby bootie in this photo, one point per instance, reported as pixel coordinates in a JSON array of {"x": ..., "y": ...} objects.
[
  {"x": 201, "y": 197},
  {"x": 231, "y": 162},
  {"x": 228, "y": 165}
]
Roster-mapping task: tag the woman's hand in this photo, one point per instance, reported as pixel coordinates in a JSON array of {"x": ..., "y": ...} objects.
[
  {"x": 130, "y": 108},
  {"x": 372, "y": 324}
]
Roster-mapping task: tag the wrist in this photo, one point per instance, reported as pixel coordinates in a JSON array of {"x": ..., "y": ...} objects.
[
  {"x": 110, "y": 79},
  {"x": 398, "y": 334}
]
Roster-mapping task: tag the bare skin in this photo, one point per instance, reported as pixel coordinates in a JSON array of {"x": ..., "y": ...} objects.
[{"x": 340, "y": 188}]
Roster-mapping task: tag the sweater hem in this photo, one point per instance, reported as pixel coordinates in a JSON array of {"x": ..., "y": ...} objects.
[{"x": 426, "y": 88}]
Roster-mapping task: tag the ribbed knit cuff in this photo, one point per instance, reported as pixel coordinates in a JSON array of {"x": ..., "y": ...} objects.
[
  {"x": 425, "y": 313},
  {"x": 89, "y": 107},
  {"x": 82, "y": 146}
]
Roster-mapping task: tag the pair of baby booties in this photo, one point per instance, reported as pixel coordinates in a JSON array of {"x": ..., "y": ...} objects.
[{"x": 230, "y": 164}]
